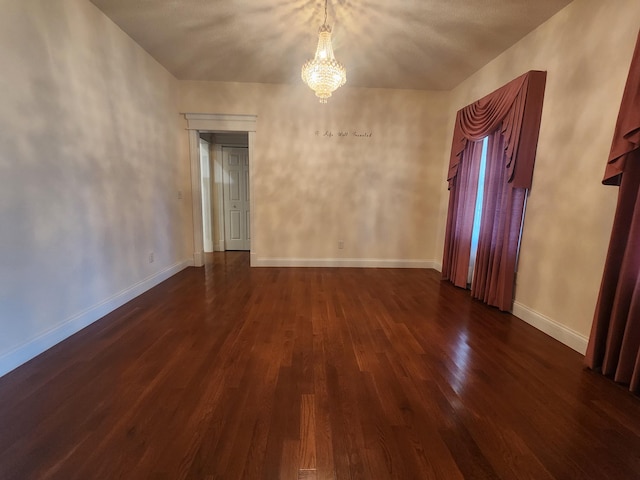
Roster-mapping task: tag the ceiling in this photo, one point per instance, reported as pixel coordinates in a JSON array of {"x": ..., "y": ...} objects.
[{"x": 414, "y": 44}]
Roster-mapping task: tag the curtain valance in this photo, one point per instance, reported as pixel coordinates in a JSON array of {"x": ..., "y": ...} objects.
[
  {"x": 516, "y": 109},
  {"x": 626, "y": 137}
]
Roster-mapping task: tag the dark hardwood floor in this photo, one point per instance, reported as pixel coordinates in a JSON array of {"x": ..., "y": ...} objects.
[{"x": 228, "y": 372}]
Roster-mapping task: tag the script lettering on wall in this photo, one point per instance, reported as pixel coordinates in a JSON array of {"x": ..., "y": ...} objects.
[{"x": 344, "y": 133}]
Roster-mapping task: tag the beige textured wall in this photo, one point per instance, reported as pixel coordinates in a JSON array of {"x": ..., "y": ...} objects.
[
  {"x": 586, "y": 49},
  {"x": 378, "y": 194},
  {"x": 89, "y": 171}
]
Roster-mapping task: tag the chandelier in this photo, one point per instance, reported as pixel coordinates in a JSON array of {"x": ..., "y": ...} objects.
[{"x": 324, "y": 74}]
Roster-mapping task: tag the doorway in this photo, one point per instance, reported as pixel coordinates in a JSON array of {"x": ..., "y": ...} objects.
[
  {"x": 219, "y": 126},
  {"x": 225, "y": 187}
]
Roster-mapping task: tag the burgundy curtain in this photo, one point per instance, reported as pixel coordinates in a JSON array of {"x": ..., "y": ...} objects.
[
  {"x": 462, "y": 202},
  {"x": 614, "y": 344},
  {"x": 502, "y": 212},
  {"x": 511, "y": 116}
]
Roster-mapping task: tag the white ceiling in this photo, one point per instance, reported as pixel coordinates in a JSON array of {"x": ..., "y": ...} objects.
[{"x": 416, "y": 44}]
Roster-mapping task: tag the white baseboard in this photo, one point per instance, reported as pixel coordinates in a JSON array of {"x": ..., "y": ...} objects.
[
  {"x": 570, "y": 338},
  {"x": 68, "y": 327},
  {"x": 341, "y": 262}
]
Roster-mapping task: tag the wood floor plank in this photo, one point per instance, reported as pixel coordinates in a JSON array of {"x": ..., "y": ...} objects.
[{"x": 231, "y": 372}]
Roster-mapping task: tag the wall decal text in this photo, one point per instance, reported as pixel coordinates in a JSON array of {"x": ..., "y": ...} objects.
[{"x": 343, "y": 133}]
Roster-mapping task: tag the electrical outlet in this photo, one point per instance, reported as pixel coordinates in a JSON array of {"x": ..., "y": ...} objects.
[
  {"x": 151, "y": 257},
  {"x": 340, "y": 244},
  {"x": 179, "y": 194}
]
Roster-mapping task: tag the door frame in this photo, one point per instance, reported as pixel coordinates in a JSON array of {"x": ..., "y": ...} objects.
[
  {"x": 216, "y": 122},
  {"x": 206, "y": 185}
]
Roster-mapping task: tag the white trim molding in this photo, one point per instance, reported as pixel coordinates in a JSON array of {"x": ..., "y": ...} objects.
[
  {"x": 565, "y": 335},
  {"x": 63, "y": 330},
  {"x": 341, "y": 262},
  {"x": 221, "y": 122}
]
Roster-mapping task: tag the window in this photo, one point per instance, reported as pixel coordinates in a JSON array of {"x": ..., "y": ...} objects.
[{"x": 477, "y": 217}]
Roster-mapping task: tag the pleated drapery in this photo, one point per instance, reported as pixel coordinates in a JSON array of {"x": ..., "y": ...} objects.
[
  {"x": 614, "y": 343},
  {"x": 462, "y": 201},
  {"x": 502, "y": 211},
  {"x": 511, "y": 117}
]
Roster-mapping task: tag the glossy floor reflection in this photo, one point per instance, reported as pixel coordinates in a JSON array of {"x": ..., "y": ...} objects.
[{"x": 228, "y": 372}]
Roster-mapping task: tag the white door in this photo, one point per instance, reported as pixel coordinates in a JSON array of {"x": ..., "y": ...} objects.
[{"x": 235, "y": 173}]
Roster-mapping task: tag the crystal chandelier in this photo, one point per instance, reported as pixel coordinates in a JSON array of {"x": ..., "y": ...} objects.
[{"x": 324, "y": 74}]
